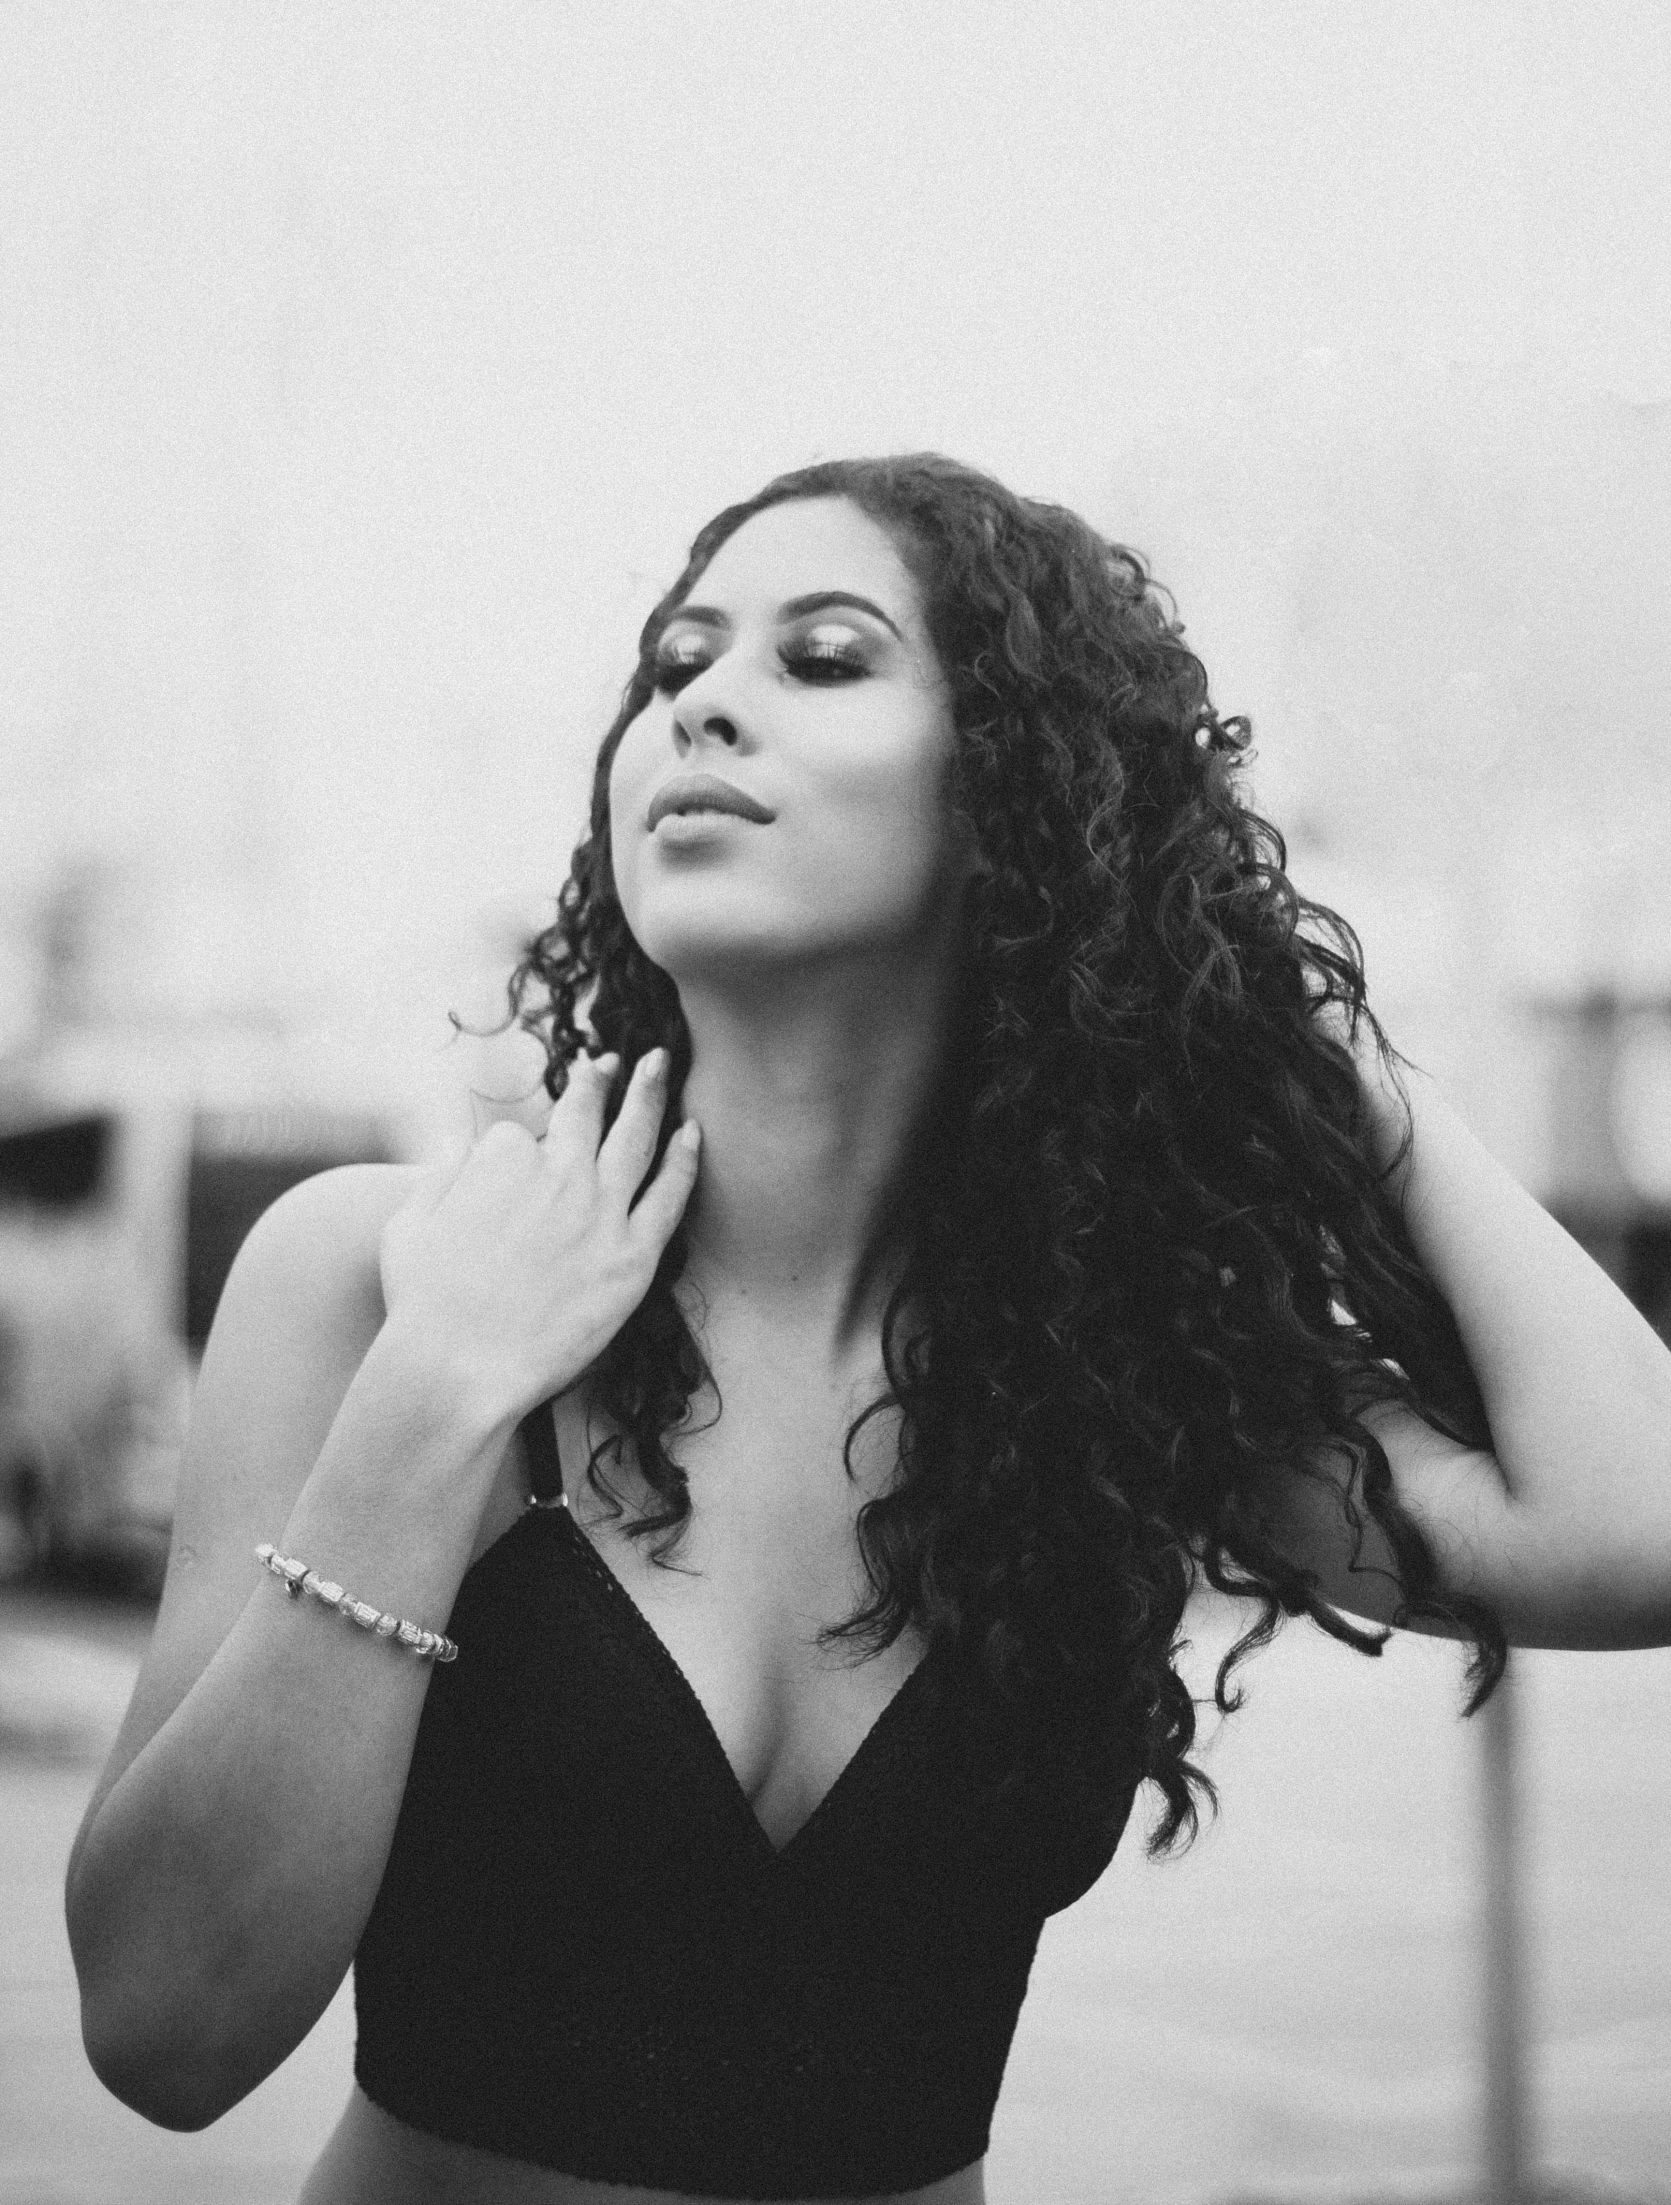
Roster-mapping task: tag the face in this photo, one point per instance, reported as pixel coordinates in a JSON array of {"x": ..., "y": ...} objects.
[{"x": 798, "y": 678}]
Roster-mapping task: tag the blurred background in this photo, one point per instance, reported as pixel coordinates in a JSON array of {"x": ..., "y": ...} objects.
[{"x": 366, "y": 369}]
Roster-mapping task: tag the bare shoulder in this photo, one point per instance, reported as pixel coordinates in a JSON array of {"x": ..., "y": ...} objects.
[
  {"x": 301, "y": 1306},
  {"x": 326, "y": 1229}
]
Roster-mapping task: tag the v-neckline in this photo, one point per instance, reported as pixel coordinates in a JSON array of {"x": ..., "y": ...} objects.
[{"x": 685, "y": 1694}]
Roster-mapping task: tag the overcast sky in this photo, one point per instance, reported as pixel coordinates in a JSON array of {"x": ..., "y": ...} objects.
[{"x": 368, "y": 367}]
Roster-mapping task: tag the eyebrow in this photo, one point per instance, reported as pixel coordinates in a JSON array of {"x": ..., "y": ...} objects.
[{"x": 709, "y": 616}]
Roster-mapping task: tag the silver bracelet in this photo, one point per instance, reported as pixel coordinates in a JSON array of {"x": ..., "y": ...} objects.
[{"x": 297, "y": 1578}]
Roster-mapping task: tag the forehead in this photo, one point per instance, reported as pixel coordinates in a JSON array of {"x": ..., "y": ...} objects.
[{"x": 808, "y": 544}]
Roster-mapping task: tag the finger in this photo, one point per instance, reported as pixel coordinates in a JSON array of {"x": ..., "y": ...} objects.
[
  {"x": 662, "y": 1204},
  {"x": 631, "y": 1144},
  {"x": 576, "y": 1122}
]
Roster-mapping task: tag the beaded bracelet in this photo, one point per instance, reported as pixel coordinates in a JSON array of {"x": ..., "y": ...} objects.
[{"x": 297, "y": 1578}]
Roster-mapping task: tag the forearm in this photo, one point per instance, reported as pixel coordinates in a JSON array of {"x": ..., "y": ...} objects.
[
  {"x": 1576, "y": 1384},
  {"x": 222, "y": 1887}
]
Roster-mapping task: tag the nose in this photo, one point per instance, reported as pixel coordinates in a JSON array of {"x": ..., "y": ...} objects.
[
  {"x": 695, "y": 725},
  {"x": 705, "y": 712},
  {"x": 692, "y": 730}
]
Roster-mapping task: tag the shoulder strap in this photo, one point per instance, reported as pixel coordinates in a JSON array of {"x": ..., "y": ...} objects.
[{"x": 545, "y": 1464}]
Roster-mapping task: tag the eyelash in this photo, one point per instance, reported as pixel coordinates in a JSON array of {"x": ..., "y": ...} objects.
[{"x": 819, "y": 663}]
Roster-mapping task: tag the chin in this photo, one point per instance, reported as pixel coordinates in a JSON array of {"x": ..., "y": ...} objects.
[
  {"x": 705, "y": 927},
  {"x": 690, "y": 954}
]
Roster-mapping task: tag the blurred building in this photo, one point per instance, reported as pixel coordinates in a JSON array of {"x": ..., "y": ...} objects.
[{"x": 1435, "y": 589}]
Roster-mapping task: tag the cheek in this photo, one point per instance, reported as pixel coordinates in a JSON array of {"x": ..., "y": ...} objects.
[
  {"x": 896, "y": 803},
  {"x": 865, "y": 847},
  {"x": 880, "y": 847}
]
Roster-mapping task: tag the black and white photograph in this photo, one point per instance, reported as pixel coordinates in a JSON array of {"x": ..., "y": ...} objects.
[{"x": 835, "y": 1102}]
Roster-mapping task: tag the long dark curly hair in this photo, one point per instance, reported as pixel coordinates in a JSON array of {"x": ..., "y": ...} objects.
[{"x": 1154, "y": 1263}]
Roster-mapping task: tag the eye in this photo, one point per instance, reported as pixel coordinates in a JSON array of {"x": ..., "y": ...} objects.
[
  {"x": 678, "y": 661},
  {"x": 826, "y": 654}
]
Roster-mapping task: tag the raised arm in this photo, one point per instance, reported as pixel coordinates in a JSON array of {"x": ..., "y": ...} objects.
[
  {"x": 232, "y": 1849},
  {"x": 378, "y": 1339},
  {"x": 1566, "y": 1528}
]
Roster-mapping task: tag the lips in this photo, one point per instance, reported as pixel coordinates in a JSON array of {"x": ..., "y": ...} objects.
[{"x": 703, "y": 792}]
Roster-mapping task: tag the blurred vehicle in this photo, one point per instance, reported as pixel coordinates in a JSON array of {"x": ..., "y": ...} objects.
[
  {"x": 93, "y": 1387},
  {"x": 117, "y": 1230}
]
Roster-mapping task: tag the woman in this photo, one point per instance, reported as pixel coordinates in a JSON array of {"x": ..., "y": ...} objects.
[{"x": 1060, "y": 1236}]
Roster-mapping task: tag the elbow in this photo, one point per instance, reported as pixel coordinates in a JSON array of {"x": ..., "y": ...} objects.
[
  {"x": 179, "y": 2030},
  {"x": 162, "y": 2069},
  {"x": 153, "y": 2031},
  {"x": 147, "y": 2086}
]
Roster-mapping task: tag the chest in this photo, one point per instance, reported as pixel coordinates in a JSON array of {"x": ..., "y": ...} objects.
[{"x": 768, "y": 1559}]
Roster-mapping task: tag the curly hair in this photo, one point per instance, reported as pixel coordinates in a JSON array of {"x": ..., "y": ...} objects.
[{"x": 1155, "y": 1266}]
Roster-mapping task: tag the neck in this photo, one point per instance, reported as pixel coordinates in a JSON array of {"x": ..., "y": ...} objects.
[{"x": 812, "y": 1089}]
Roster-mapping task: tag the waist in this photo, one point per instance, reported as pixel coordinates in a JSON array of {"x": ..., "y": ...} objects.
[{"x": 375, "y": 2159}]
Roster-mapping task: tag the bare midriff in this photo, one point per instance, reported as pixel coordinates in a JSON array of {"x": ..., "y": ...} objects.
[{"x": 373, "y": 2159}]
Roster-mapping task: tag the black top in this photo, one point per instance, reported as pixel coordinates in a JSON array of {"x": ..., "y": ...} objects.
[{"x": 586, "y": 1952}]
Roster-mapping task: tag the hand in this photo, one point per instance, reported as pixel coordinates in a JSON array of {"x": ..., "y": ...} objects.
[{"x": 520, "y": 1263}]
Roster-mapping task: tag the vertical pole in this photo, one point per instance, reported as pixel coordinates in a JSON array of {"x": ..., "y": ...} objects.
[{"x": 1503, "y": 1983}]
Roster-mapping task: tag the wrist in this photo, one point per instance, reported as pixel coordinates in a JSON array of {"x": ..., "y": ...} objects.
[{"x": 460, "y": 1401}]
